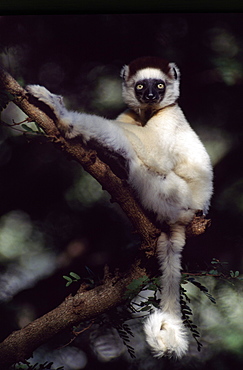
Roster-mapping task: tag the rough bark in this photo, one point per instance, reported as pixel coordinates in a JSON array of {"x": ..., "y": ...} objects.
[{"x": 85, "y": 304}]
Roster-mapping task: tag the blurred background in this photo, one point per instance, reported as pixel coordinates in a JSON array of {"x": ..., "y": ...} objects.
[{"x": 54, "y": 218}]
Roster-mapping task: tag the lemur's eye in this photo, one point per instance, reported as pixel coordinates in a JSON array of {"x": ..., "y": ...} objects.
[
  {"x": 139, "y": 87},
  {"x": 160, "y": 86}
]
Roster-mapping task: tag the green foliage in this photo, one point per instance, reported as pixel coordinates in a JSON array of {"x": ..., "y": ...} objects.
[
  {"x": 186, "y": 309},
  {"x": 235, "y": 274},
  {"x": 72, "y": 278},
  {"x": 91, "y": 280},
  {"x": 135, "y": 287},
  {"x": 139, "y": 285},
  {"x": 186, "y": 314},
  {"x": 28, "y": 366},
  {"x": 202, "y": 288},
  {"x": 219, "y": 269}
]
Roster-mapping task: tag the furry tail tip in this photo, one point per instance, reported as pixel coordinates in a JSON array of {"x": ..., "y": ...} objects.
[{"x": 166, "y": 335}]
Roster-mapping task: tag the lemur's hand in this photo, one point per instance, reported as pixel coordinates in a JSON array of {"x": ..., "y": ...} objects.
[{"x": 42, "y": 94}]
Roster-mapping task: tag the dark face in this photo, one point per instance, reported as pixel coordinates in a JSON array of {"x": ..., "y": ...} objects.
[{"x": 150, "y": 91}]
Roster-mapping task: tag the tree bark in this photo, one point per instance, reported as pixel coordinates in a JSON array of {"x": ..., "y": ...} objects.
[
  {"x": 89, "y": 304},
  {"x": 85, "y": 305}
]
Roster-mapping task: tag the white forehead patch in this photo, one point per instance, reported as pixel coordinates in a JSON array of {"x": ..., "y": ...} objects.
[{"x": 149, "y": 73}]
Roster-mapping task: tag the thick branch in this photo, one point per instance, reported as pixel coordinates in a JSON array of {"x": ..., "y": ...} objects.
[{"x": 85, "y": 304}]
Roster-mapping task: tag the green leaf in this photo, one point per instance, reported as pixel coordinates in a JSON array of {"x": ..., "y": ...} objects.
[
  {"x": 234, "y": 274},
  {"x": 213, "y": 272},
  {"x": 202, "y": 289},
  {"x": 75, "y": 276},
  {"x": 153, "y": 287},
  {"x": 67, "y": 278},
  {"x": 136, "y": 286}
]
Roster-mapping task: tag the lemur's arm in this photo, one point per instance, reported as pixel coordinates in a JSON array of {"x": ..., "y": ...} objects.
[{"x": 89, "y": 127}]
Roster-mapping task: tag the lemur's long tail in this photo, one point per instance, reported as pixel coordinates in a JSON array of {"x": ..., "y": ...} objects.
[{"x": 164, "y": 329}]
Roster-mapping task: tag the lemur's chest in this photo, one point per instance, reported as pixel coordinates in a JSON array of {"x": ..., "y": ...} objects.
[
  {"x": 154, "y": 144},
  {"x": 154, "y": 147}
]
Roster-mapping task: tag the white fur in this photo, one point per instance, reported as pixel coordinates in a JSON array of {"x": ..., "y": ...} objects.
[
  {"x": 169, "y": 248},
  {"x": 166, "y": 334},
  {"x": 164, "y": 329},
  {"x": 170, "y": 172}
]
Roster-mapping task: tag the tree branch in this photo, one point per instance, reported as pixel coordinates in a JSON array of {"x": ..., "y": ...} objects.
[{"x": 85, "y": 304}]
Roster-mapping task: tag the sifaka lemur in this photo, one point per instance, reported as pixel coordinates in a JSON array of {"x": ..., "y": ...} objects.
[{"x": 168, "y": 169}]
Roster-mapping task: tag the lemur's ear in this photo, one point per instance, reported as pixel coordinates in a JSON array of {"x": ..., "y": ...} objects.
[
  {"x": 174, "y": 71},
  {"x": 124, "y": 72}
]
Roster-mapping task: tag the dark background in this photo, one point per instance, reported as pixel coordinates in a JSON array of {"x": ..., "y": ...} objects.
[{"x": 46, "y": 220}]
